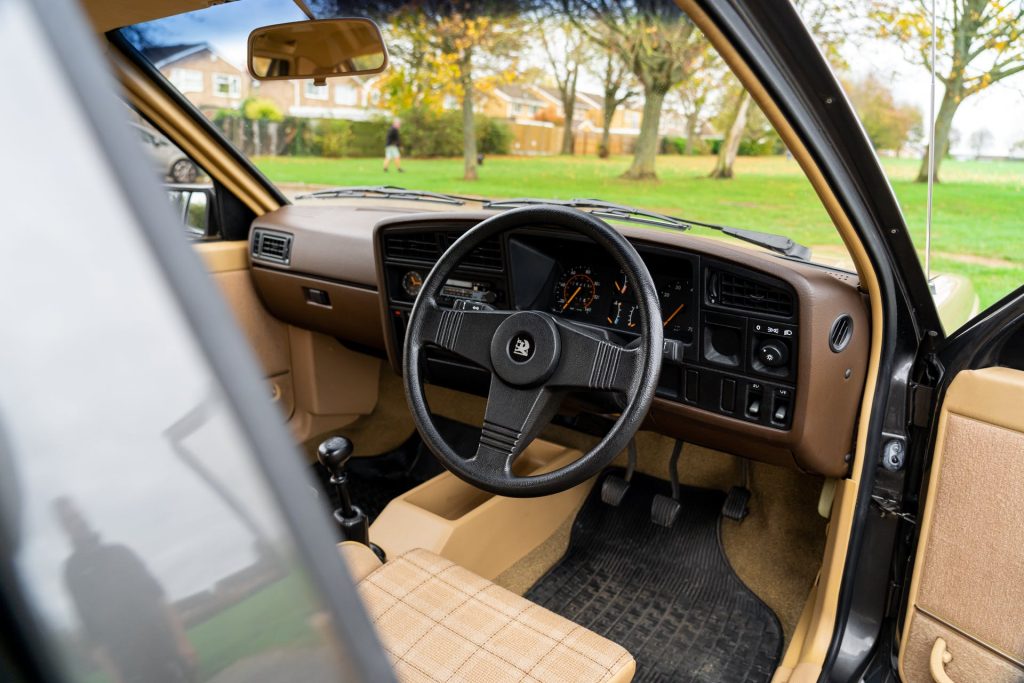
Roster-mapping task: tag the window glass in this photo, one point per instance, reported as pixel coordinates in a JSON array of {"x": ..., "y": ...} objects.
[
  {"x": 187, "y": 80},
  {"x": 881, "y": 51},
  {"x": 227, "y": 85},
  {"x": 685, "y": 141}
]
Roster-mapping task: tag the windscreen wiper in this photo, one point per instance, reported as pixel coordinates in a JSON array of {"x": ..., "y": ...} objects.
[
  {"x": 780, "y": 244},
  {"x": 387, "y": 192}
]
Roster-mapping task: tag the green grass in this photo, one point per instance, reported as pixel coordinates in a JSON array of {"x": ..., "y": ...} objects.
[{"x": 978, "y": 205}]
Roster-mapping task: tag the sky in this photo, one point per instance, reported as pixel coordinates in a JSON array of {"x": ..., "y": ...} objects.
[{"x": 996, "y": 109}]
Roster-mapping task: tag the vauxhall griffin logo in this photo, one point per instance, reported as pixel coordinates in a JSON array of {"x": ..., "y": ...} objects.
[{"x": 521, "y": 348}]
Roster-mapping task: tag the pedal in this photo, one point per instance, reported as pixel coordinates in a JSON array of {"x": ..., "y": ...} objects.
[
  {"x": 614, "y": 487},
  {"x": 613, "y": 490},
  {"x": 664, "y": 510},
  {"x": 735, "y": 506}
]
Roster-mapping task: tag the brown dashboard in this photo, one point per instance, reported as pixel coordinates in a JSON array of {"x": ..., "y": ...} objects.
[{"x": 764, "y": 357}]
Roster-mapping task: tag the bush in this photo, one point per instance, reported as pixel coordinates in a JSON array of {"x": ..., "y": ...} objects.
[
  {"x": 335, "y": 137},
  {"x": 260, "y": 109},
  {"x": 493, "y": 136}
]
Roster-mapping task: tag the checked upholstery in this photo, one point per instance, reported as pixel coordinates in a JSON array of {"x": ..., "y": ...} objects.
[{"x": 440, "y": 623}]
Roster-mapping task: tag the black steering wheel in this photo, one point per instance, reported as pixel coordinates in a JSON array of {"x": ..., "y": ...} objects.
[{"x": 534, "y": 359}]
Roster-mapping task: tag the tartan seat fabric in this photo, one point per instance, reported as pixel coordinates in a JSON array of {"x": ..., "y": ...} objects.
[{"x": 441, "y": 623}]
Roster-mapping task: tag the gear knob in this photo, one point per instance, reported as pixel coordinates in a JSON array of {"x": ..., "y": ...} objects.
[{"x": 334, "y": 454}]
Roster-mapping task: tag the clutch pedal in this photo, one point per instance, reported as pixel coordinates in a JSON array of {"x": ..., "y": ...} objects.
[
  {"x": 614, "y": 487},
  {"x": 665, "y": 509}
]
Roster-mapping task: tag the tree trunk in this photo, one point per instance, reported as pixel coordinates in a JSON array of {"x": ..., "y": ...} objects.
[
  {"x": 943, "y": 126},
  {"x": 604, "y": 150},
  {"x": 647, "y": 142},
  {"x": 731, "y": 145},
  {"x": 691, "y": 134},
  {"x": 468, "y": 122},
  {"x": 569, "y": 105}
]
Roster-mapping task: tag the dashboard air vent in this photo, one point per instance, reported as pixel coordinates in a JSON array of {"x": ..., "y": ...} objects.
[
  {"x": 487, "y": 256},
  {"x": 414, "y": 246},
  {"x": 747, "y": 294},
  {"x": 841, "y": 333},
  {"x": 272, "y": 246}
]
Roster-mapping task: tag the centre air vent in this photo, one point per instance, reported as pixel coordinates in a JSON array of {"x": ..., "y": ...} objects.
[
  {"x": 272, "y": 246},
  {"x": 428, "y": 247},
  {"x": 747, "y": 294}
]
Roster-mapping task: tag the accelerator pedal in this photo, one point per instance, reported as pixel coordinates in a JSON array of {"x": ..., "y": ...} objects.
[
  {"x": 665, "y": 509},
  {"x": 614, "y": 487},
  {"x": 735, "y": 505}
]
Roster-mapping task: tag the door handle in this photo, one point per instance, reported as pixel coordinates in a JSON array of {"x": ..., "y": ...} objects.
[{"x": 940, "y": 658}]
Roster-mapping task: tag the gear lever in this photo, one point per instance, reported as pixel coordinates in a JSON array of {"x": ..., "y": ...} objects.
[{"x": 334, "y": 454}]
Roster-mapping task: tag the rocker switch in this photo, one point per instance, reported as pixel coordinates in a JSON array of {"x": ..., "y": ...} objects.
[{"x": 754, "y": 397}]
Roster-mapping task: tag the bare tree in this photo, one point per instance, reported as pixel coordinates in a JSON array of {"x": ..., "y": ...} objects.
[
  {"x": 979, "y": 140},
  {"x": 615, "y": 91},
  {"x": 566, "y": 49},
  {"x": 660, "y": 45},
  {"x": 979, "y": 42}
]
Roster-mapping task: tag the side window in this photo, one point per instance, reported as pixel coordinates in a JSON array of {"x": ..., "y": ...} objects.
[{"x": 189, "y": 189}]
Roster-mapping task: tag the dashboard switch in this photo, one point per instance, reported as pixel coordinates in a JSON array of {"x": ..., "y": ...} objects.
[
  {"x": 755, "y": 396},
  {"x": 691, "y": 387},
  {"x": 773, "y": 354},
  {"x": 728, "y": 404},
  {"x": 780, "y": 406}
]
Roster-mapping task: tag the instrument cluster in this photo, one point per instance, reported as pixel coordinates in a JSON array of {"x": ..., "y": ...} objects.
[{"x": 601, "y": 294}]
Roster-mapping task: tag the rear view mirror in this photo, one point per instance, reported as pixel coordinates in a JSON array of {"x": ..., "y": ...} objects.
[{"x": 316, "y": 49}]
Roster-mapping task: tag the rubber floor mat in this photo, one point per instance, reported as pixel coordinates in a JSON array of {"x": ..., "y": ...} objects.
[{"x": 668, "y": 596}]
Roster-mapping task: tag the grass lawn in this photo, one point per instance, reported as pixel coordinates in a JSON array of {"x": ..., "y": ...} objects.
[{"x": 977, "y": 226}]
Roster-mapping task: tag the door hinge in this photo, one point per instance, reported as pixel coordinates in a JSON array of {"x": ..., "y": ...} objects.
[
  {"x": 889, "y": 506},
  {"x": 921, "y": 397}
]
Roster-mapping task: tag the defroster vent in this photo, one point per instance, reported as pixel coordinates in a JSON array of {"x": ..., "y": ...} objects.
[
  {"x": 272, "y": 246},
  {"x": 746, "y": 294}
]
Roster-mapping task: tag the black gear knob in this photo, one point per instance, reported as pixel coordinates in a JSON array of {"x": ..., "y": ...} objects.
[{"x": 334, "y": 454}]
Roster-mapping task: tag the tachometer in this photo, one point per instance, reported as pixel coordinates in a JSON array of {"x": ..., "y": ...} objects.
[{"x": 576, "y": 290}]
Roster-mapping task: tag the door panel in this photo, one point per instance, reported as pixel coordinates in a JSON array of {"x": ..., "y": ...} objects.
[{"x": 968, "y": 583}]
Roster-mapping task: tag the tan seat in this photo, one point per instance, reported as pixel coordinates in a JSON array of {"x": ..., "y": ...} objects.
[{"x": 441, "y": 623}]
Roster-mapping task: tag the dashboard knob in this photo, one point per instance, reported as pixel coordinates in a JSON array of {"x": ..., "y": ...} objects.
[{"x": 773, "y": 354}]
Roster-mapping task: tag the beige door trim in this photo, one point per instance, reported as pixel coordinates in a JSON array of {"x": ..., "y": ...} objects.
[
  {"x": 167, "y": 115},
  {"x": 808, "y": 653}
]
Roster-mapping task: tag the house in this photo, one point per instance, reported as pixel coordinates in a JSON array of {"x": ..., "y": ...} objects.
[
  {"x": 207, "y": 79},
  {"x": 536, "y": 116},
  {"x": 211, "y": 82}
]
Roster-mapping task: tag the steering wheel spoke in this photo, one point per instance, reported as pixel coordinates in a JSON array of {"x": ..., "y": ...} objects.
[
  {"x": 594, "y": 362},
  {"x": 465, "y": 333},
  {"x": 513, "y": 418}
]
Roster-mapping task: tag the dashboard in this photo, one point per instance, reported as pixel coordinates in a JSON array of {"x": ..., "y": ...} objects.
[
  {"x": 731, "y": 342},
  {"x": 764, "y": 357}
]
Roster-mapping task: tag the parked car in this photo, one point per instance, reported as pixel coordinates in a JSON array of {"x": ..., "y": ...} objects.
[
  {"x": 408, "y": 435},
  {"x": 170, "y": 161}
]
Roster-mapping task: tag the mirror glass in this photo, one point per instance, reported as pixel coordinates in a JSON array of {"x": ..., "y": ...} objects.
[{"x": 316, "y": 49}]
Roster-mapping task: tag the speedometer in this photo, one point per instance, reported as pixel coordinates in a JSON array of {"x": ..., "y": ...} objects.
[{"x": 577, "y": 290}]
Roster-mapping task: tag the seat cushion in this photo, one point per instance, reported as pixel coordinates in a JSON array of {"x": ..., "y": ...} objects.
[{"x": 440, "y": 622}]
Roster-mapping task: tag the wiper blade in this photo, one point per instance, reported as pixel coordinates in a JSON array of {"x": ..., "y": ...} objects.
[
  {"x": 600, "y": 208},
  {"x": 780, "y": 244},
  {"x": 387, "y": 192}
]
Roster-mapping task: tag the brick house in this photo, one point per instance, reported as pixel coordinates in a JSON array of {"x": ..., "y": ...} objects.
[{"x": 208, "y": 80}]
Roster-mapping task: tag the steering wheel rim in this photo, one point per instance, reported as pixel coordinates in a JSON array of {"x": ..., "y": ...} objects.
[{"x": 566, "y": 356}]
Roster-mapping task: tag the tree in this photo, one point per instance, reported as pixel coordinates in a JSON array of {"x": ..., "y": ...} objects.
[
  {"x": 888, "y": 123},
  {"x": 566, "y": 50},
  {"x": 615, "y": 91},
  {"x": 696, "y": 92},
  {"x": 659, "y": 44},
  {"x": 979, "y": 140},
  {"x": 731, "y": 144},
  {"x": 978, "y": 43},
  {"x": 465, "y": 46}
]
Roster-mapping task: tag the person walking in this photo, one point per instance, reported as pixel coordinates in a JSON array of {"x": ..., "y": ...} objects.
[{"x": 392, "y": 146}]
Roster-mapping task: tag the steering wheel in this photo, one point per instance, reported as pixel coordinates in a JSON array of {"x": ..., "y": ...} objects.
[{"x": 534, "y": 358}]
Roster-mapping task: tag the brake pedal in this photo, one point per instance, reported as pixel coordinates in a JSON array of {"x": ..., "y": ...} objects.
[
  {"x": 614, "y": 487},
  {"x": 665, "y": 509},
  {"x": 735, "y": 506}
]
